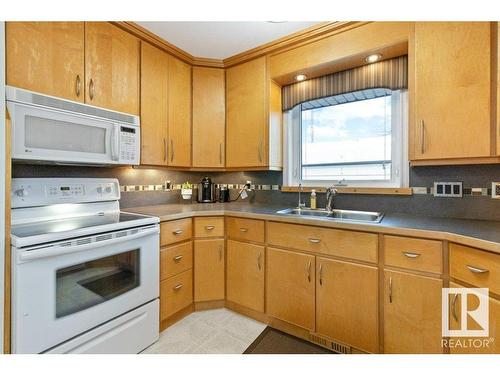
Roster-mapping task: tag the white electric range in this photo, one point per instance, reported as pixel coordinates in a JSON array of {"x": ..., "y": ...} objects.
[{"x": 84, "y": 274}]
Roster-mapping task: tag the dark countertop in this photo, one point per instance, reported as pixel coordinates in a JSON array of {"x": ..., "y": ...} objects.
[{"x": 480, "y": 233}]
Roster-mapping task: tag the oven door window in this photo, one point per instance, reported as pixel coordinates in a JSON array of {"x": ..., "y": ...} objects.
[{"x": 87, "y": 284}]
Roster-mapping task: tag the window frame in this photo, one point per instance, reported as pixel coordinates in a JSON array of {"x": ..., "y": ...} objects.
[{"x": 292, "y": 173}]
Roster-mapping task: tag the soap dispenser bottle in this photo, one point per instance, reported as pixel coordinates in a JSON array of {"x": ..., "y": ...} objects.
[{"x": 313, "y": 199}]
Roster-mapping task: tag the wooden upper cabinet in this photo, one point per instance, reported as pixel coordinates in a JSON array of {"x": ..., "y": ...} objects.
[
  {"x": 250, "y": 121},
  {"x": 209, "y": 121},
  {"x": 112, "y": 68},
  {"x": 347, "y": 303},
  {"x": 452, "y": 90},
  {"x": 46, "y": 57},
  {"x": 179, "y": 113},
  {"x": 290, "y": 287},
  {"x": 412, "y": 313},
  {"x": 154, "y": 102}
]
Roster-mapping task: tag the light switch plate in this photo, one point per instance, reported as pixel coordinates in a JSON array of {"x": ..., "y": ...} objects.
[
  {"x": 448, "y": 189},
  {"x": 495, "y": 190}
]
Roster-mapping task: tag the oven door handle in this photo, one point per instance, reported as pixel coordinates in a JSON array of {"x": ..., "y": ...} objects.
[{"x": 61, "y": 250}]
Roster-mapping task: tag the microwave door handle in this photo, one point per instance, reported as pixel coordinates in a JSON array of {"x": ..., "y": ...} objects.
[
  {"x": 114, "y": 142},
  {"x": 58, "y": 250}
]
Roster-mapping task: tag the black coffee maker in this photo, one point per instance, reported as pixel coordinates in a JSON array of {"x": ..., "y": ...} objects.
[{"x": 206, "y": 191}]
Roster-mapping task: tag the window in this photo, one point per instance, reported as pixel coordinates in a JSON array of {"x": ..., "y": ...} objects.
[{"x": 353, "y": 139}]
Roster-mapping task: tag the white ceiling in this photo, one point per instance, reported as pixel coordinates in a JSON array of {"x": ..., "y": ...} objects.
[{"x": 219, "y": 40}]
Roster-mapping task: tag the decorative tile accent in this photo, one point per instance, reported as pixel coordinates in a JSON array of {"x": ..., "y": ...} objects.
[{"x": 174, "y": 187}]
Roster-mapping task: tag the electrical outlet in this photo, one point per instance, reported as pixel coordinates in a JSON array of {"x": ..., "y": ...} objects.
[
  {"x": 495, "y": 190},
  {"x": 447, "y": 189}
]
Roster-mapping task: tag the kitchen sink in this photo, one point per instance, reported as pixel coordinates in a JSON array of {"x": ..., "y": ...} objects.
[{"x": 337, "y": 215}]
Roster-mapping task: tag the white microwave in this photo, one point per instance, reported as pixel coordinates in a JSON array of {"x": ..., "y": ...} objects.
[{"x": 51, "y": 130}]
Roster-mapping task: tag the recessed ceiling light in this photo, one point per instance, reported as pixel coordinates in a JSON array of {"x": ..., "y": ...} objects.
[
  {"x": 300, "y": 77},
  {"x": 373, "y": 58}
]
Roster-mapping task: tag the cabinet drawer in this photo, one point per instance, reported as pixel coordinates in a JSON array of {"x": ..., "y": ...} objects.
[
  {"x": 176, "y": 293},
  {"x": 245, "y": 229},
  {"x": 413, "y": 253},
  {"x": 175, "y": 259},
  {"x": 476, "y": 267},
  {"x": 209, "y": 226},
  {"x": 347, "y": 244},
  {"x": 175, "y": 231}
]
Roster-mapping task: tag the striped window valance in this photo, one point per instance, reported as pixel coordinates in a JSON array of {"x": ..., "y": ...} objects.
[{"x": 390, "y": 74}]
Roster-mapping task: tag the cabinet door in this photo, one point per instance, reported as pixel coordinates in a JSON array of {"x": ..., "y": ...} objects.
[
  {"x": 208, "y": 270},
  {"x": 489, "y": 345},
  {"x": 290, "y": 287},
  {"x": 179, "y": 113},
  {"x": 247, "y": 114},
  {"x": 111, "y": 68},
  {"x": 46, "y": 57},
  {"x": 347, "y": 303},
  {"x": 209, "y": 122},
  {"x": 412, "y": 313},
  {"x": 154, "y": 110},
  {"x": 452, "y": 90},
  {"x": 245, "y": 274}
]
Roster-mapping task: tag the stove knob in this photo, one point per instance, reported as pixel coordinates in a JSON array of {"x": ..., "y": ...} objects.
[
  {"x": 22, "y": 192},
  {"x": 108, "y": 189},
  {"x": 99, "y": 189}
]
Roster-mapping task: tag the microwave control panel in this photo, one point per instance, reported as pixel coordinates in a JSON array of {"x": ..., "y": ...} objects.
[{"x": 129, "y": 145}]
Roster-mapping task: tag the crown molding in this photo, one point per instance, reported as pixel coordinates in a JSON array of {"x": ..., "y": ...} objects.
[{"x": 287, "y": 42}]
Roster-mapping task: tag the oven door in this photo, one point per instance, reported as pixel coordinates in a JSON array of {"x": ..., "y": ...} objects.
[
  {"x": 43, "y": 134},
  {"x": 62, "y": 291}
]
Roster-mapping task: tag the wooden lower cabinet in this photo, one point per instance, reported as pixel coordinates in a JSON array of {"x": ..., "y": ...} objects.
[
  {"x": 176, "y": 293},
  {"x": 245, "y": 274},
  {"x": 208, "y": 270},
  {"x": 412, "y": 313},
  {"x": 347, "y": 303},
  {"x": 290, "y": 287},
  {"x": 474, "y": 345}
]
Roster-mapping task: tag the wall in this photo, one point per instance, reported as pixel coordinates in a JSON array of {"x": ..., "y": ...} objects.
[
  {"x": 475, "y": 207},
  {"x": 2, "y": 177}
]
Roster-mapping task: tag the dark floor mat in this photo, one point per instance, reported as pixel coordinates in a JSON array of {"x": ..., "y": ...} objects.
[{"x": 272, "y": 341}]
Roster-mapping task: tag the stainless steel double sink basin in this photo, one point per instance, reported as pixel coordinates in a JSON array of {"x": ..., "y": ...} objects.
[{"x": 335, "y": 215}]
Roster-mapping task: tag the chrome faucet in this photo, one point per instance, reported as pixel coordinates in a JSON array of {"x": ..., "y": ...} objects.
[
  {"x": 300, "y": 205},
  {"x": 331, "y": 192}
]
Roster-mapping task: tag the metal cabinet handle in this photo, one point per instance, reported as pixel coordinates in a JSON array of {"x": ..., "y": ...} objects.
[
  {"x": 410, "y": 254},
  {"x": 259, "y": 150},
  {"x": 244, "y": 230},
  {"x": 165, "y": 147},
  {"x": 209, "y": 227},
  {"x": 314, "y": 240},
  {"x": 177, "y": 258},
  {"x": 477, "y": 269},
  {"x": 321, "y": 274},
  {"x": 220, "y": 153},
  {"x": 220, "y": 253},
  {"x": 309, "y": 271},
  {"x": 454, "y": 307},
  {"x": 177, "y": 232},
  {"x": 422, "y": 137},
  {"x": 78, "y": 85},
  {"x": 390, "y": 289},
  {"x": 177, "y": 287},
  {"x": 171, "y": 150},
  {"x": 91, "y": 89},
  {"x": 258, "y": 261}
]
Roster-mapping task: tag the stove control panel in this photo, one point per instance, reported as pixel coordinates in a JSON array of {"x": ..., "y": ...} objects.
[{"x": 32, "y": 192}]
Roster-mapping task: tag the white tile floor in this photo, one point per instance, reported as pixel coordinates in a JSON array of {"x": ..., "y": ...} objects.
[{"x": 219, "y": 331}]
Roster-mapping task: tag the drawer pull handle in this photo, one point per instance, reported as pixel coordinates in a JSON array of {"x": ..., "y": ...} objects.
[
  {"x": 390, "y": 289},
  {"x": 177, "y": 287},
  {"x": 477, "y": 269},
  {"x": 309, "y": 271},
  {"x": 209, "y": 227},
  {"x": 454, "y": 307},
  {"x": 177, "y": 232},
  {"x": 178, "y": 258},
  {"x": 244, "y": 230},
  {"x": 410, "y": 254},
  {"x": 314, "y": 240}
]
